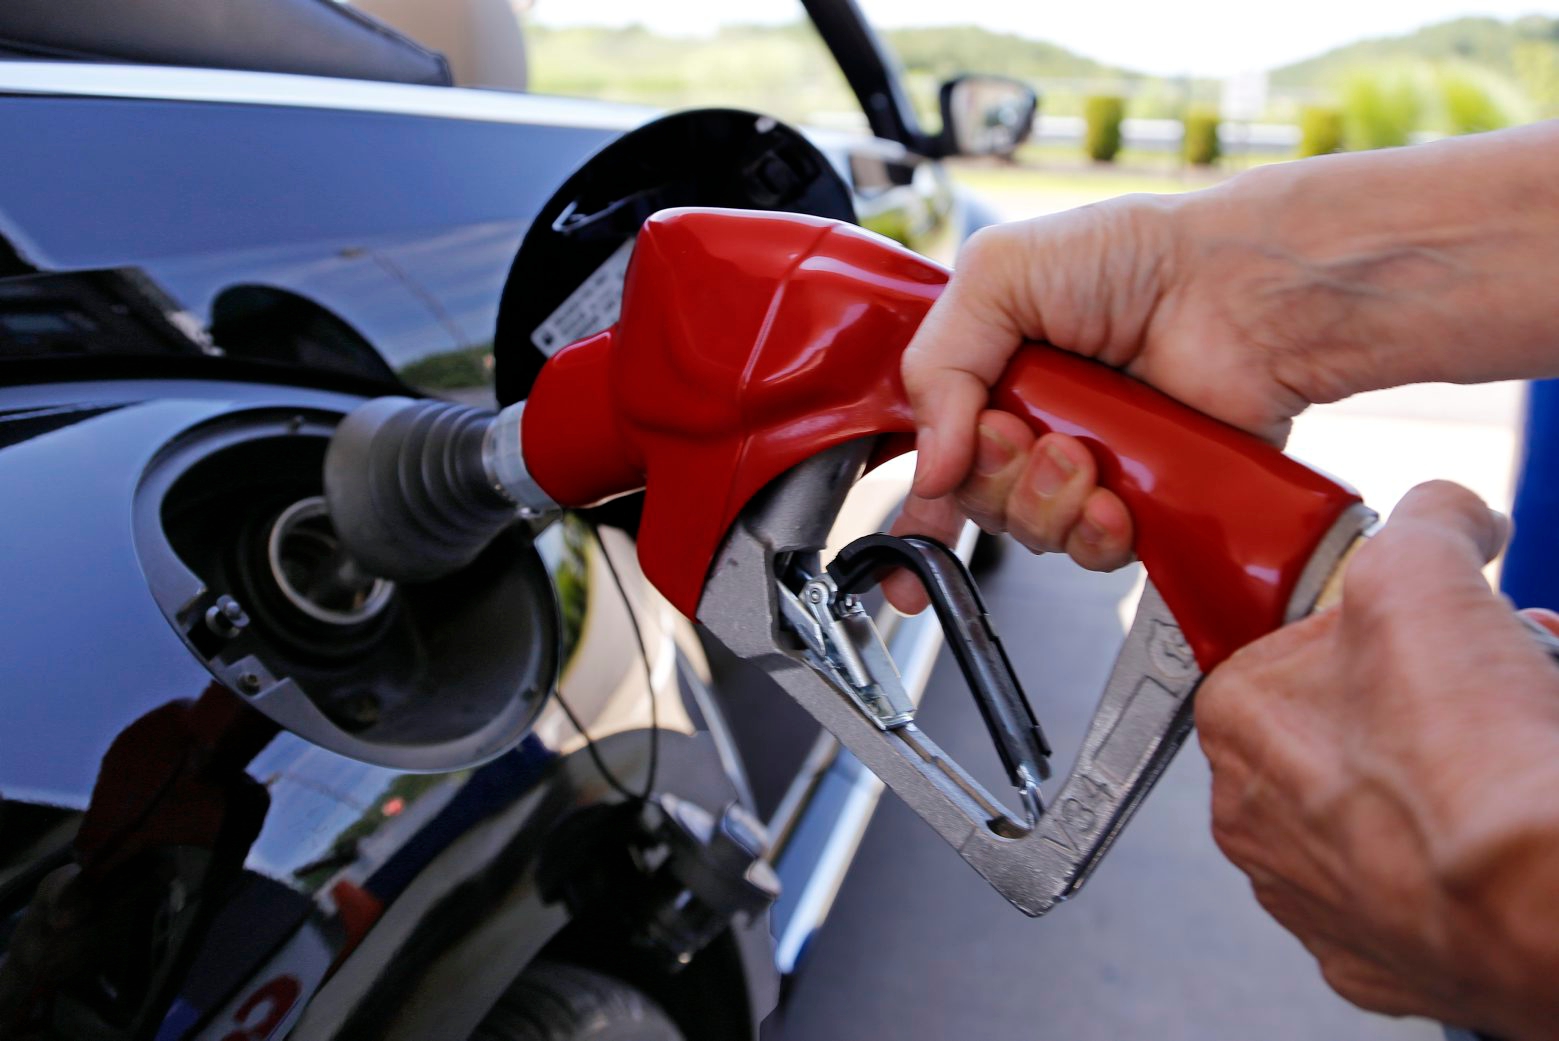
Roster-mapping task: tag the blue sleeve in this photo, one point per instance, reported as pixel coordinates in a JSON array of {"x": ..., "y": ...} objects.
[{"x": 1531, "y": 571}]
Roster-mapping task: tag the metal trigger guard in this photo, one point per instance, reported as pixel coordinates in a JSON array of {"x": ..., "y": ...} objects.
[
  {"x": 955, "y": 598},
  {"x": 1141, "y": 721}
]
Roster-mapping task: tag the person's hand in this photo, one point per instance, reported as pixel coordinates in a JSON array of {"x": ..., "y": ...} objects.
[
  {"x": 1386, "y": 771},
  {"x": 1120, "y": 282},
  {"x": 1289, "y": 285},
  {"x": 1117, "y": 282}
]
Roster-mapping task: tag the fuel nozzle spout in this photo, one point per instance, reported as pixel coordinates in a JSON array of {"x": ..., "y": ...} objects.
[{"x": 418, "y": 488}]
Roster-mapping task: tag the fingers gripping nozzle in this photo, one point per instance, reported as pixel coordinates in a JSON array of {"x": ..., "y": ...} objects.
[{"x": 418, "y": 488}]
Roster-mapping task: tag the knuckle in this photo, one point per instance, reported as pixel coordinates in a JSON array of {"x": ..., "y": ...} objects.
[
  {"x": 1036, "y": 526},
  {"x": 918, "y": 369},
  {"x": 1334, "y": 970},
  {"x": 1225, "y": 806},
  {"x": 1371, "y": 577},
  {"x": 1212, "y": 715},
  {"x": 979, "y": 249},
  {"x": 985, "y": 506},
  {"x": 1394, "y": 579},
  {"x": 1447, "y": 496},
  {"x": 918, "y": 516},
  {"x": 1049, "y": 519},
  {"x": 1109, "y": 554},
  {"x": 1219, "y": 695},
  {"x": 1229, "y": 815},
  {"x": 1448, "y": 513},
  {"x": 1231, "y": 835},
  {"x": 1345, "y": 975},
  {"x": 1234, "y": 715},
  {"x": 1028, "y": 536},
  {"x": 1274, "y": 899},
  {"x": 986, "y": 510},
  {"x": 1226, "y": 837}
]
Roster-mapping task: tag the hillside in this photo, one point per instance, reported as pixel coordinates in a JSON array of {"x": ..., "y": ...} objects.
[
  {"x": 1511, "y": 67},
  {"x": 945, "y": 51},
  {"x": 780, "y": 69},
  {"x": 1502, "y": 46}
]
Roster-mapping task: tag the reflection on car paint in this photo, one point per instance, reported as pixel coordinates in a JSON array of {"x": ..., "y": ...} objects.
[
  {"x": 335, "y": 842},
  {"x": 366, "y": 890},
  {"x": 410, "y": 250}
]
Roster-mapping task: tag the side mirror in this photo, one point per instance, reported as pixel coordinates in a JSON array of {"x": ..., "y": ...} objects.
[{"x": 986, "y": 115}]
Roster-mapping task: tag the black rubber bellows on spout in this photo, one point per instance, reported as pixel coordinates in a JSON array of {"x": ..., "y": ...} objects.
[{"x": 407, "y": 488}]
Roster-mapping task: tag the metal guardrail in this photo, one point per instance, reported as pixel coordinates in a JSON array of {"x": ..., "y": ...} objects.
[{"x": 1165, "y": 135}]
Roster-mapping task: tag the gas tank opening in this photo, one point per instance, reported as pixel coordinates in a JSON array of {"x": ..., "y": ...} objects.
[
  {"x": 241, "y": 555},
  {"x": 295, "y": 577},
  {"x": 314, "y": 572}
]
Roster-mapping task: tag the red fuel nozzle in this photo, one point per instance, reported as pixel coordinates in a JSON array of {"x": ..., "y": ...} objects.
[{"x": 750, "y": 342}]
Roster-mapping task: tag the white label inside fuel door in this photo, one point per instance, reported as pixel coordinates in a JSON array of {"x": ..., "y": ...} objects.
[{"x": 590, "y": 308}]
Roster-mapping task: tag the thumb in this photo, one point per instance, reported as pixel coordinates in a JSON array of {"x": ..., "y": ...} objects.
[
  {"x": 1452, "y": 516},
  {"x": 1427, "y": 563}
]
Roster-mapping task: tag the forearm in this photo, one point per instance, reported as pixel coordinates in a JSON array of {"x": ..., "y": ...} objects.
[{"x": 1438, "y": 262}]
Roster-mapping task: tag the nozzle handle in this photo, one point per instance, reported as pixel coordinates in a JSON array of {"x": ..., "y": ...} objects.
[{"x": 1225, "y": 522}]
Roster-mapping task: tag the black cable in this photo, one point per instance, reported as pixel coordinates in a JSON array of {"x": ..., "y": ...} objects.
[
  {"x": 649, "y": 675},
  {"x": 595, "y": 755},
  {"x": 649, "y": 685}
]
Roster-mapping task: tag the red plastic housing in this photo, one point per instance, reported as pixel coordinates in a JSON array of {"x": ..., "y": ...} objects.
[{"x": 749, "y": 342}]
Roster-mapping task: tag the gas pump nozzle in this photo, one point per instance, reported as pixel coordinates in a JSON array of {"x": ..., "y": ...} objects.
[{"x": 753, "y": 375}]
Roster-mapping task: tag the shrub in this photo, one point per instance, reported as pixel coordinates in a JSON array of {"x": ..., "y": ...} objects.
[
  {"x": 1201, "y": 144},
  {"x": 1103, "y": 114},
  {"x": 1382, "y": 107},
  {"x": 1469, "y": 108},
  {"x": 1320, "y": 130},
  {"x": 1474, "y": 99},
  {"x": 452, "y": 370}
]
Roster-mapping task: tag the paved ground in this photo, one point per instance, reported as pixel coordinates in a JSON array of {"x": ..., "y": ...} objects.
[{"x": 1166, "y": 942}]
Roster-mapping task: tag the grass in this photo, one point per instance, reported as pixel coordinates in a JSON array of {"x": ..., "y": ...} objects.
[{"x": 1049, "y": 177}]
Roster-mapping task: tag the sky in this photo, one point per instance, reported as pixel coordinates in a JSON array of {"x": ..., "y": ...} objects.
[{"x": 1170, "y": 37}]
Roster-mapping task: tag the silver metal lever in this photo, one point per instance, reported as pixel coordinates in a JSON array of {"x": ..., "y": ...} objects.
[
  {"x": 1141, "y": 721},
  {"x": 825, "y": 654},
  {"x": 843, "y": 645}
]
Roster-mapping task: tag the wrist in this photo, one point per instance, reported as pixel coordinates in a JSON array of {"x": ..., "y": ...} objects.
[
  {"x": 1306, "y": 285},
  {"x": 1357, "y": 272}
]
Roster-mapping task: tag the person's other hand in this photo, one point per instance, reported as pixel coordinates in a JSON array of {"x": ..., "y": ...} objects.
[{"x": 1385, "y": 773}]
